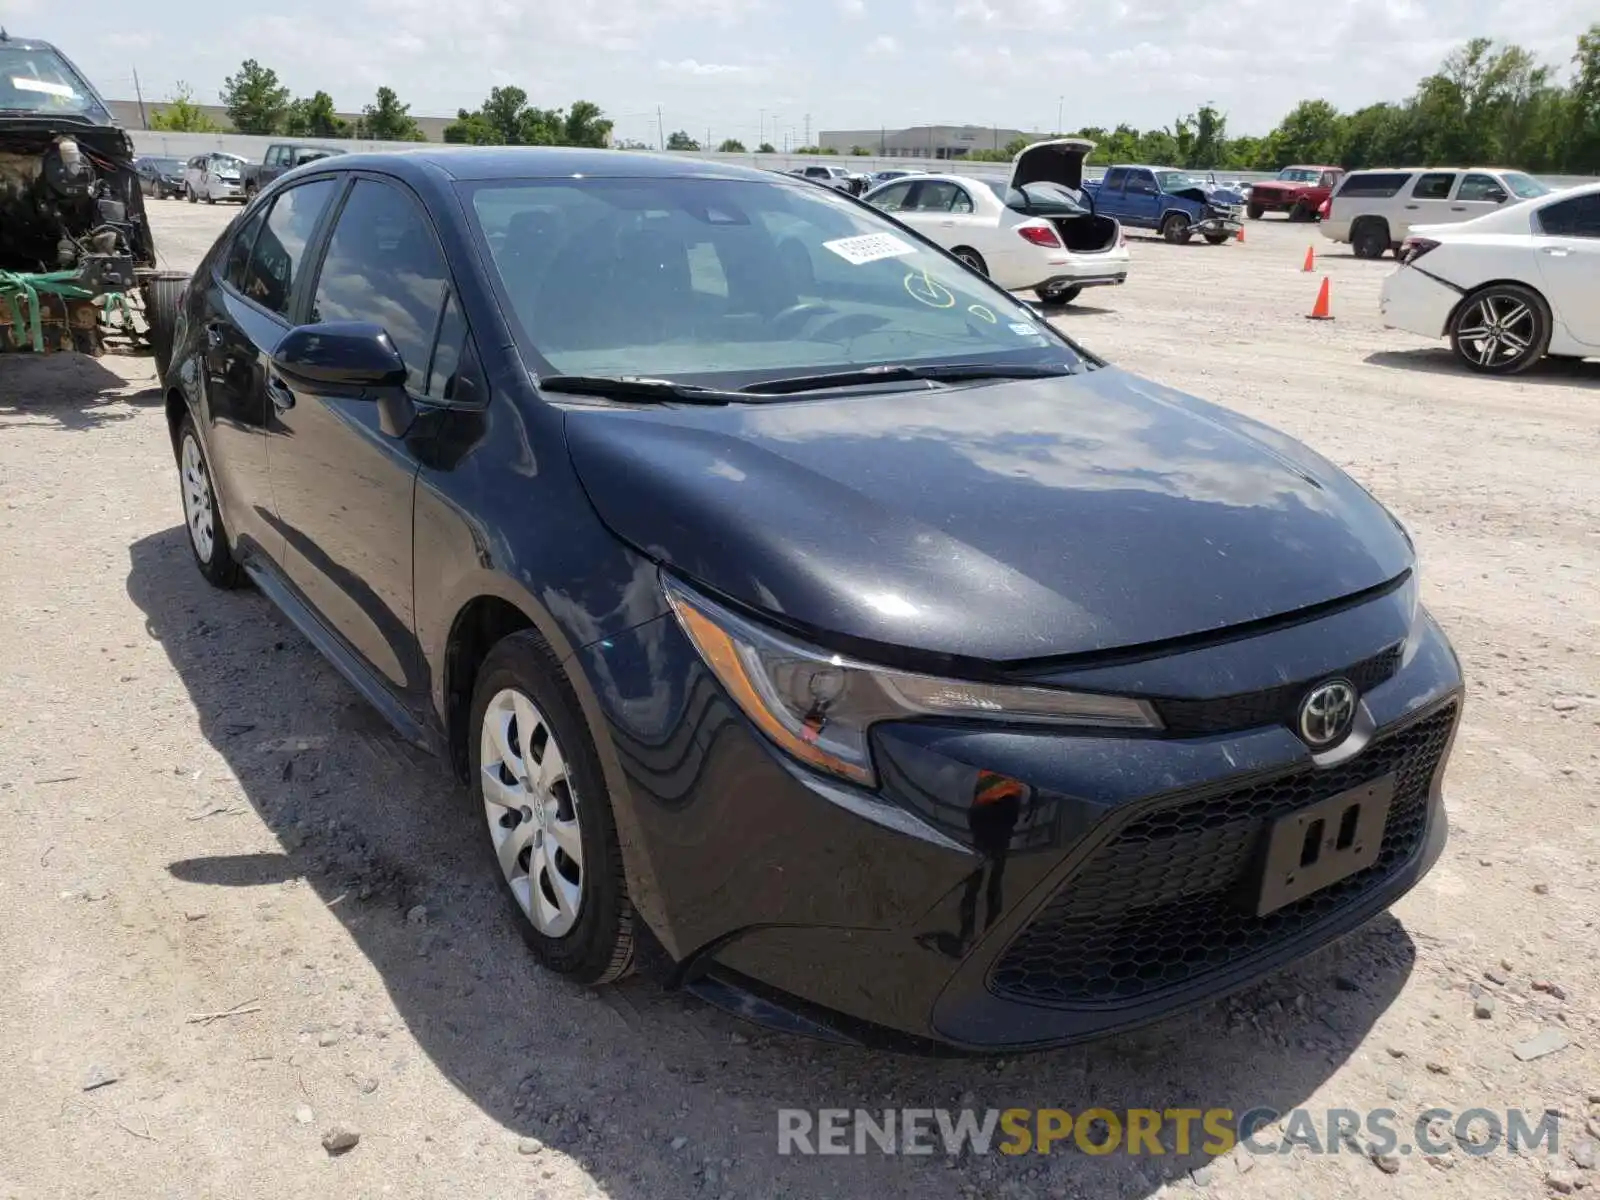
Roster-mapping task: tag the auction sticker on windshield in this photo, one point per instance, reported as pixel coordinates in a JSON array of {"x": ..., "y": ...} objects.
[
  {"x": 29, "y": 84},
  {"x": 869, "y": 248}
]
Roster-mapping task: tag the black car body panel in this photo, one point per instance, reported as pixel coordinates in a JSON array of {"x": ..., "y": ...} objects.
[
  {"x": 1066, "y": 511},
  {"x": 1091, "y": 532}
]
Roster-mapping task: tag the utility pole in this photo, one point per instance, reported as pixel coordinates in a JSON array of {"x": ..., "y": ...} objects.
[
  {"x": 709, "y": 146},
  {"x": 1060, "y": 103},
  {"x": 661, "y": 130},
  {"x": 761, "y": 127},
  {"x": 144, "y": 121},
  {"x": 808, "y": 129}
]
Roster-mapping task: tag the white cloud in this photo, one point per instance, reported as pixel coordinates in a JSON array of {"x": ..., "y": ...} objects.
[
  {"x": 883, "y": 46},
  {"x": 852, "y": 10},
  {"x": 689, "y": 66}
]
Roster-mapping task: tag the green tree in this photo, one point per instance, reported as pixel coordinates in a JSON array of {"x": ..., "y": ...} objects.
[
  {"x": 314, "y": 117},
  {"x": 181, "y": 114},
  {"x": 387, "y": 120},
  {"x": 766, "y": 148},
  {"x": 255, "y": 100},
  {"x": 679, "y": 140},
  {"x": 472, "y": 129},
  {"x": 1309, "y": 134},
  {"x": 731, "y": 146},
  {"x": 1581, "y": 144},
  {"x": 1210, "y": 145},
  {"x": 586, "y": 125},
  {"x": 860, "y": 151}
]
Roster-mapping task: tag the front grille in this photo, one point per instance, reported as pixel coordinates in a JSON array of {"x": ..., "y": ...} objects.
[
  {"x": 1170, "y": 897},
  {"x": 1270, "y": 706}
]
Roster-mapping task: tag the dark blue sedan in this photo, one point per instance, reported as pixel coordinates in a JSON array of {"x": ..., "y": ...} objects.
[{"x": 802, "y": 613}]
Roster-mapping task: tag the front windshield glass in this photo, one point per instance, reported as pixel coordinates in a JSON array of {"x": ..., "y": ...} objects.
[
  {"x": 1525, "y": 187},
  {"x": 727, "y": 282},
  {"x": 1299, "y": 175},
  {"x": 167, "y": 164},
  {"x": 1171, "y": 180},
  {"x": 40, "y": 81}
]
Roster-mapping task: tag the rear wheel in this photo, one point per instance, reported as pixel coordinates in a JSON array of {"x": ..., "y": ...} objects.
[
  {"x": 1370, "y": 237},
  {"x": 972, "y": 258},
  {"x": 538, "y": 788},
  {"x": 1216, "y": 239},
  {"x": 1175, "y": 228},
  {"x": 161, "y": 300},
  {"x": 1255, "y": 212},
  {"x": 1501, "y": 330},
  {"x": 208, "y": 538},
  {"x": 1061, "y": 295}
]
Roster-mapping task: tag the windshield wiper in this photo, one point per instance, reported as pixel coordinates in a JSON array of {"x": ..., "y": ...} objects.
[
  {"x": 933, "y": 372},
  {"x": 634, "y": 387}
]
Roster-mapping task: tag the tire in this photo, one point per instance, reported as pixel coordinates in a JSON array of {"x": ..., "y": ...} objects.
[
  {"x": 520, "y": 682},
  {"x": 972, "y": 258},
  {"x": 210, "y": 199},
  {"x": 188, "y": 194},
  {"x": 1300, "y": 213},
  {"x": 1255, "y": 212},
  {"x": 162, "y": 298},
  {"x": 1175, "y": 229},
  {"x": 208, "y": 537},
  {"x": 1370, "y": 237},
  {"x": 1062, "y": 295},
  {"x": 1216, "y": 239},
  {"x": 1505, "y": 311}
]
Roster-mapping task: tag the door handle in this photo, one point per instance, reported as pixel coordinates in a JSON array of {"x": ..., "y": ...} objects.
[
  {"x": 1458, "y": 208},
  {"x": 948, "y": 224},
  {"x": 1413, "y": 206},
  {"x": 282, "y": 397},
  {"x": 1556, "y": 251}
]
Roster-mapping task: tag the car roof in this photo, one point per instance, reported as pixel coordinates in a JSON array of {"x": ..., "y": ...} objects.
[{"x": 478, "y": 163}]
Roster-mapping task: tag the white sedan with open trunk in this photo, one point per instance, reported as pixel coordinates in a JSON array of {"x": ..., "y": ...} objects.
[{"x": 1035, "y": 229}]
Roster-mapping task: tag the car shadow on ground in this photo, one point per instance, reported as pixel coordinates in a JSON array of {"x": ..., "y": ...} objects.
[
  {"x": 75, "y": 391},
  {"x": 1552, "y": 372},
  {"x": 614, "y": 1079}
]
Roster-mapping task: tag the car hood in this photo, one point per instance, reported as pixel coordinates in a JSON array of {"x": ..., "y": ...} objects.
[{"x": 1001, "y": 522}]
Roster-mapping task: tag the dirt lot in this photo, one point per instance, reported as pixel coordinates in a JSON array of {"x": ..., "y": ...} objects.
[{"x": 197, "y": 815}]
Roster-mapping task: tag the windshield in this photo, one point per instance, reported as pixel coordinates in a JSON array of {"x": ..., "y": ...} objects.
[
  {"x": 727, "y": 282},
  {"x": 167, "y": 164},
  {"x": 1171, "y": 180},
  {"x": 40, "y": 81},
  {"x": 1525, "y": 187},
  {"x": 1299, "y": 175}
]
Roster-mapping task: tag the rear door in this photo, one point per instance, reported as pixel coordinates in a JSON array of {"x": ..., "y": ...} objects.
[
  {"x": 343, "y": 485},
  {"x": 1142, "y": 199},
  {"x": 1569, "y": 262},
  {"x": 1426, "y": 202},
  {"x": 1108, "y": 198}
]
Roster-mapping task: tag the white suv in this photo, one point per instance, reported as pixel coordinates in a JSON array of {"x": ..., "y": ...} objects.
[{"x": 1374, "y": 210}]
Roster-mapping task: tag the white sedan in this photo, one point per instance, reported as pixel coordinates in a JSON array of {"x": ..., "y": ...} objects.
[
  {"x": 1506, "y": 288},
  {"x": 1034, "y": 230}
]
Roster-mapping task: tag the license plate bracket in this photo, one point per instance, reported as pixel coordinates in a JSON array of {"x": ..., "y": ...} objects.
[{"x": 1313, "y": 847}]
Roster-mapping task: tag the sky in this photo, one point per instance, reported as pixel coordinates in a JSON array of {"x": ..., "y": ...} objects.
[{"x": 753, "y": 69}]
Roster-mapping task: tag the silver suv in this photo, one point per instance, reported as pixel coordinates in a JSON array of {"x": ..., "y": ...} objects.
[{"x": 1374, "y": 210}]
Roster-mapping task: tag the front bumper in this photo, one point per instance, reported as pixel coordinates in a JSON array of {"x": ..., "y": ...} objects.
[
  {"x": 1228, "y": 220},
  {"x": 219, "y": 189},
  {"x": 1109, "y": 901},
  {"x": 1416, "y": 302}
]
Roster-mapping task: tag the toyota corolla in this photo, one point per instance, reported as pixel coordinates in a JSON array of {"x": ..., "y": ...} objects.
[{"x": 805, "y": 616}]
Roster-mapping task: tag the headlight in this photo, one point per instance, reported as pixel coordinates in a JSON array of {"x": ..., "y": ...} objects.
[{"x": 818, "y": 706}]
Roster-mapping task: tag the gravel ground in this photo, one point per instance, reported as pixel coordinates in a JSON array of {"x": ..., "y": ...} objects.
[{"x": 197, "y": 816}]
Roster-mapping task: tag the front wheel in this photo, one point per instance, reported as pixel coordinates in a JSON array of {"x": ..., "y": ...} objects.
[
  {"x": 188, "y": 194},
  {"x": 1216, "y": 239},
  {"x": 1255, "y": 212},
  {"x": 539, "y": 791},
  {"x": 208, "y": 537},
  {"x": 1502, "y": 330},
  {"x": 1175, "y": 229},
  {"x": 162, "y": 298}
]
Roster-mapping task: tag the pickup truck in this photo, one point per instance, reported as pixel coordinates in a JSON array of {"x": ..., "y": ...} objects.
[
  {"x": 1174, "y": 203},
  {"x": 281, "y": 157}
]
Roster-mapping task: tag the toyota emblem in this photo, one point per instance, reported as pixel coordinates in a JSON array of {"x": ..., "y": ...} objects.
[{"x": 1327, "y": 713}]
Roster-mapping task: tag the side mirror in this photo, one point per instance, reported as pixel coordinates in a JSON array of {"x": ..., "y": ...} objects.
[
  {"x": 1498, "y": 197},
  {"x": 351, "y": 354}
]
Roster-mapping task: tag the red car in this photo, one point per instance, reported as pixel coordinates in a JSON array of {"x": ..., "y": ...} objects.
[{"x": 1298, "y": 191}]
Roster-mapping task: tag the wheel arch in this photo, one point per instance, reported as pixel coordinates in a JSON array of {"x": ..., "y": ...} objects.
[{"x": 1467, "y": 293}]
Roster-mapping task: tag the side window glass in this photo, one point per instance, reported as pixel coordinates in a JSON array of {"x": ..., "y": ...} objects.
[
  {"x": 384, "y": 266},
  {"x": 280, "y": 248},
  {"x": 1577, "y": 217},
  {"x": 1115, "y": 178},
  {"x": 936, "y": 197},
  {"x": 1435, "y": 185},
  {"x": 448, "y": 352},
  {"x": 893, "y": 199},
  {"x": 961, "y": 202},
  {"x": 1142, "y": 182},
  {"x": 1479, "y": 187},
  {"x": 238, "y": 260}
]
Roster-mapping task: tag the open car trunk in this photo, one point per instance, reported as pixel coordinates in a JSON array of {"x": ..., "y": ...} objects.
[
  {"x": 1049, "y": 175},
  {"x": 1087, "y": 234}
]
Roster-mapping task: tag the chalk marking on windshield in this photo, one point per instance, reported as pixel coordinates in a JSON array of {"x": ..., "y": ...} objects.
[
  {"x": 979, "y": 310},
  {"x": 931, "y": 291},
  {"x": 869, "y": 248}
]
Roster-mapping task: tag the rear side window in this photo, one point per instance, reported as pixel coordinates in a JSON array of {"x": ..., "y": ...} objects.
[
  {"x": 943, "y": 197},
  {"x": 1435, "y": 185},
  {"x": 280, "y": 248},
  {"x": 1577, "y": 217},
  {"x": 384, "y": 266},
  {"x": 1373, "y": 184},
  {"x": 238, "y": 261}
]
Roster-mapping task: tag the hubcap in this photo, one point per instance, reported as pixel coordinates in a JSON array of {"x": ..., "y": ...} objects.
[
  {"x": 1497, "y": 329},
  {"x": 532, "y": 812},
  {"x": 197, "y": 500}
]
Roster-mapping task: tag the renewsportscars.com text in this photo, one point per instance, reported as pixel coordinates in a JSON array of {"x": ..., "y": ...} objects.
[{"x": 1156, "y": 1131}]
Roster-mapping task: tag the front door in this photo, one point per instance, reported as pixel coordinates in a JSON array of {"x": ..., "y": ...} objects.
[
  {"x": 1478, "y": 196},
  {"x": 1427, "y": 203},
  {"x": 1142, "y": 199},
  {"x": 343, "y": 484}
]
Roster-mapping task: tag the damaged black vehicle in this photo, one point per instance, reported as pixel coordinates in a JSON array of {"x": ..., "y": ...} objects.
[{"x": 77, "y": 261}]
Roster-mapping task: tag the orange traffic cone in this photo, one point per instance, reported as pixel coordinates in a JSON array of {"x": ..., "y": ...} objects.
[
  {"x": 1311, "y": 259},
  {"x": 1319, "y": 310},
  {"x": 1240, "y": 238}
]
